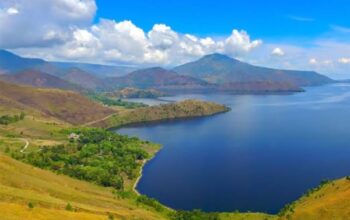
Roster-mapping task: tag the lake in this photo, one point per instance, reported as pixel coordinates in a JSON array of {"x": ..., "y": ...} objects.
[{"x": 266, "y": 152}]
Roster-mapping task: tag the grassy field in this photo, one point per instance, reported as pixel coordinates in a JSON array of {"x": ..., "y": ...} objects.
[
  {"x": 21, "y": 184},
  {"x": 330, "y": 201}
]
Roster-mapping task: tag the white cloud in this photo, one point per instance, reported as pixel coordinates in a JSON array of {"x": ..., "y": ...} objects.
[
  {"x": 162, "y": 36},
  {"x": 239, "y": 42},
  {"x": 40, "y": 23},
  {"x": 344, "y": 60},
  {"x": 313, "y": 61},
  {"x": 123, "y": 42},
  {"x": 12, "y": 11},
  {"x": 277, "y": 52},
  {"x": 63, "y": 30}
]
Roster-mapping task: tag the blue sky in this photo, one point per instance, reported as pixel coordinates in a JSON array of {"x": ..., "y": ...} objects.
[
  {"x": 289, "y": 34},
  {"x": 270, "y": 19}
]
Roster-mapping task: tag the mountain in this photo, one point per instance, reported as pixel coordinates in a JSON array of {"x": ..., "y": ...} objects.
[
  {"x": 67, "y": 106},
  {"x": 218, "y": 68},
  {"x": 10, "y": 62},
  {"x": 98, "y": 70},
  {"x": 158, "y": 78},
  {"x": 81, "y": 78},
  {"x": 40, "y": 79}
]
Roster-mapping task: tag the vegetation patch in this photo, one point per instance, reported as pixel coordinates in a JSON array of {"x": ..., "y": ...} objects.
[
  {"x": 9, "y": 119},
  {"x": 115, "y": 102},
  {"x": 95, "y": 155}
]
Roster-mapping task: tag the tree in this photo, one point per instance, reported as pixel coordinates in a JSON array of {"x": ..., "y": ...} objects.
[
  {"x": 30, "y": 205},
  {"x": 21, "y": 116},
  {"x": 69, "y": 207}
]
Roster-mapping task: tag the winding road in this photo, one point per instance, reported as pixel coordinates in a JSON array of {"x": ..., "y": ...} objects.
[{"x": 25, "y": 146}]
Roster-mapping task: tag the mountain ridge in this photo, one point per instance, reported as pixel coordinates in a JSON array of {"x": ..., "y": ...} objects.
[
  {"x": 219, "y": 68},
  {"x": 211, "y": 73}
]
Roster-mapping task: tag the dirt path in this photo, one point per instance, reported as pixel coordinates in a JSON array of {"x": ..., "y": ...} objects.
[
  {"x": 99, "y": 120},
  {"x": 25, "y": 146}
]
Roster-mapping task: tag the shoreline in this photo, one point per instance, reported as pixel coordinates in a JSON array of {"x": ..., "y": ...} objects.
[
  {"x": 164, "y": 120},
  {"x": 143, "y": 163},
  {"x": 139, "y": 178}
]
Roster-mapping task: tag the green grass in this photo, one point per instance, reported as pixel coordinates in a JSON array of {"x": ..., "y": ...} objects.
[{"x": 21, "y": 184}]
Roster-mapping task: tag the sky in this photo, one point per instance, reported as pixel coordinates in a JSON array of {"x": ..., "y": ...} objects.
[{"x": 289, "y": 34}]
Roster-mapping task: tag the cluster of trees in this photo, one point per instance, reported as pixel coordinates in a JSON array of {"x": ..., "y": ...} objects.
[
  {"x": 115, "y": 102},
  {"x": 195, "y": 215},
  {"x": 98, "y": 156},
  {"x": 150, "y": 202},
  {"x": 8, "y": 119}
]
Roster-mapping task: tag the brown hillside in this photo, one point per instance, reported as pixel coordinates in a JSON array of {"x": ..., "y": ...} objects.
[
  {"x": 65, "y": 105},
  {"x": 39, "y": 79}
]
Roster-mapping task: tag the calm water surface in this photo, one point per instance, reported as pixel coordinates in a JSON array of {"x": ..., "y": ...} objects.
[{"x": 264, "y": 153}]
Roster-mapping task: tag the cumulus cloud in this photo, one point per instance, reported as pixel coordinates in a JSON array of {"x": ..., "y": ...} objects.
[
  {"x": 63, "y": 29},
  {"x": 277, "y": 52},
  {"x": 239, "y": 42},
  {"x": 124, "y": 42},
  {"x": 38, "y": 23}
]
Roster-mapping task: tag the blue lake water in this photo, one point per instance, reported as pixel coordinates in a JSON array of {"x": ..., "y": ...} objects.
[{"x": 264, "y": 153}]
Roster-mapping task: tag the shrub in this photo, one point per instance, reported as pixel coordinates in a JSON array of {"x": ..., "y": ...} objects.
[
  {"x": 194, "y": 215},
  {"x": 30, "y": 205},
  {"x": 150, "y": 202},
  {"x": 69, "y": 207}
]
